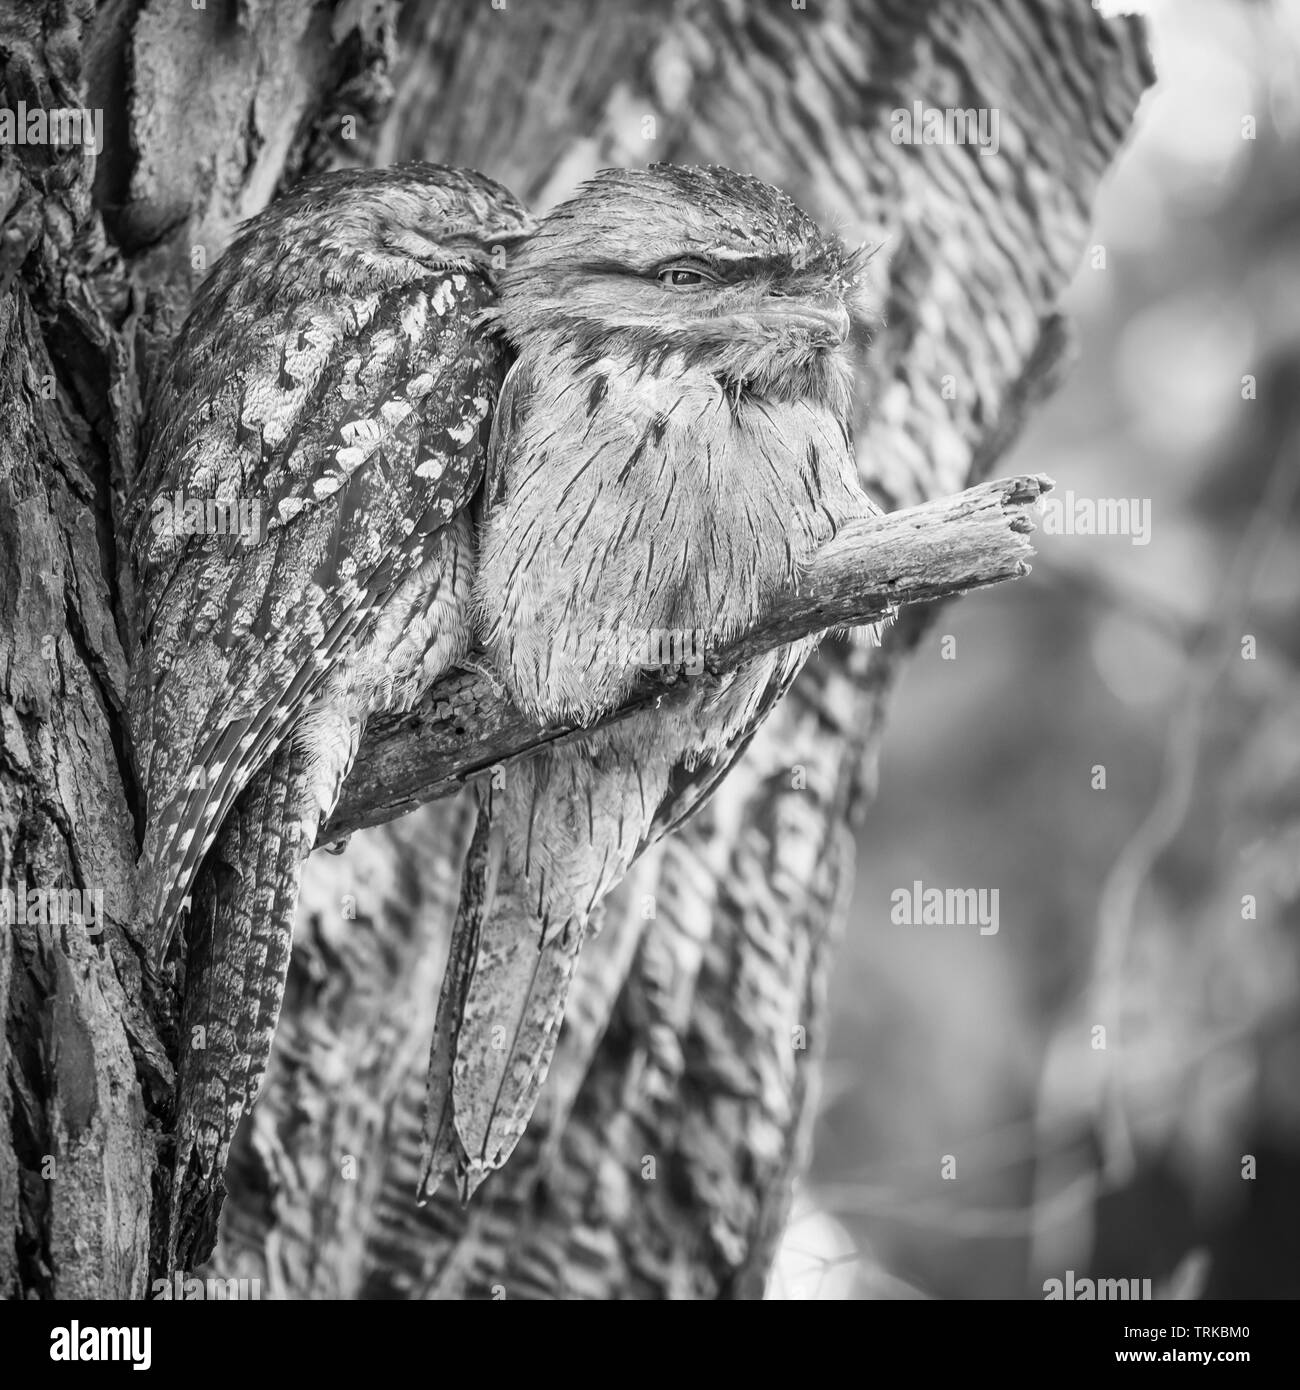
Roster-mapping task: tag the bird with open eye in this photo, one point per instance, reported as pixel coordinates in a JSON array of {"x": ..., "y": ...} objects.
[
  {"x": 671, "y": 445},
  {"x": 551, "y": 442}
]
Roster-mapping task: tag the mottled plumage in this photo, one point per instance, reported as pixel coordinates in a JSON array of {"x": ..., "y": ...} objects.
[
  {"x": 671, "y": 446},
  {"x": 332, "y": 380}
]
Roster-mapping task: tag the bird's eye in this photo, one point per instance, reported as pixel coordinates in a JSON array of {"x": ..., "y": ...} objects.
[{"x": 684, "y": 277}]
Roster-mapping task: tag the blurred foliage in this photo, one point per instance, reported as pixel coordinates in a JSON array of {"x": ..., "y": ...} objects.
[{"x": 1120, "y": 907}]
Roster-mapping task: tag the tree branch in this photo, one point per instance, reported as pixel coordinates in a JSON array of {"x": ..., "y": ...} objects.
[{"x": 466, "y": 724}]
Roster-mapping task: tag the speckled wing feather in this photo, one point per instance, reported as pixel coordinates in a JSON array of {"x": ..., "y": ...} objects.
[
  {"x": 278, "y": 331},
  {"x": 351, "y": 429},
  {"x": 335, "y": 382}
]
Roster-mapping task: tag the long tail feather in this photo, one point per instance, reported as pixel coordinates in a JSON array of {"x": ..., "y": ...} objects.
[
  {"x": 444, "y": 1156},
  {"x": 241, "y": 937},
  {"x": 561, "y": 832}
]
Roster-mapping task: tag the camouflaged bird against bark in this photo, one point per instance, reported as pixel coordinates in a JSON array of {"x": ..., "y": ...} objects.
[
  {"x": 662, "y": 462},
  {"x": 330, "y": 375},
  {"x": 976, "y": 253},
  {"x": 334, "y": 376}
]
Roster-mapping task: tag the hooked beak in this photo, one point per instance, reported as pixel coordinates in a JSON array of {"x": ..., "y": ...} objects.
[{"x": 827, "y": 325}]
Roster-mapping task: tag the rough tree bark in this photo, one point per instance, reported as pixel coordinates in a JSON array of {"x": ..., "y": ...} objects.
[{"x": 679, "y": 1106}]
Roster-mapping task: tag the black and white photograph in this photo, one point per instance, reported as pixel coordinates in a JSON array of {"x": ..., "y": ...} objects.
[{"x": 650, "y": 652}]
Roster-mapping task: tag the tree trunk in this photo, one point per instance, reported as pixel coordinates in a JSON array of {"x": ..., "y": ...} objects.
[{"x": 678, "y": 1110}]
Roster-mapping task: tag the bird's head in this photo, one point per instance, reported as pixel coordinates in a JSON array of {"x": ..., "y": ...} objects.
[
  {"x": 359, "y": 231},
  {"x": 703, "y": 267}
]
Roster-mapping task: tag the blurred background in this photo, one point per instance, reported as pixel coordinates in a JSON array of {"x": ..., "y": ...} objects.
[{"x": 1136, "y": 803}]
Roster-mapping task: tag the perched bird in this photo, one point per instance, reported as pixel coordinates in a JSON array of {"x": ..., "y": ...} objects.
[
  {"x": 671, "y": 446},
  {"x": 304, "y": 546}
]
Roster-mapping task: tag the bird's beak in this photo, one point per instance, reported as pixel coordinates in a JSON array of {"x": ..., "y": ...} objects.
[{"x": 827, "y": 325}]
